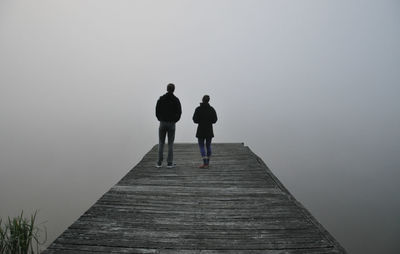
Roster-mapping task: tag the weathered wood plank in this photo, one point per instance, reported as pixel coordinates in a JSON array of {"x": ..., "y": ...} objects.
[{"x": 235, "y": 206}]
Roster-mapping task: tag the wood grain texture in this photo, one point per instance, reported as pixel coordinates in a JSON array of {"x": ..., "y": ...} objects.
[{"x": 235, "y": 206}]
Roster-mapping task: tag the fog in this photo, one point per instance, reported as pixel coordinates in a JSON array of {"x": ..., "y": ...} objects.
[{"x": 311, "y": 87}]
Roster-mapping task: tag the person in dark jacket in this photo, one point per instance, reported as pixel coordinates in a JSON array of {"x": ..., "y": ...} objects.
[
  {"x": 168, "y": 112},
  {"x": 205, "y": 116}
]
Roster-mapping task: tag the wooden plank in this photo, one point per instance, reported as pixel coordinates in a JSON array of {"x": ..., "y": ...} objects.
[{"x": 235, "y": 206}]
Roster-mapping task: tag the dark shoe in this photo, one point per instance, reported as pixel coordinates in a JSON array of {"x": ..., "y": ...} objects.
[
  {"x": 158, "y": 165},
  {"x": 171, "y": 165}
]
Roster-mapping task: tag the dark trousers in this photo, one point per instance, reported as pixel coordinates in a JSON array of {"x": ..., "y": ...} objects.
[
  {"x": 207, "y": 142},
  {"x": 166, "y": 128}
]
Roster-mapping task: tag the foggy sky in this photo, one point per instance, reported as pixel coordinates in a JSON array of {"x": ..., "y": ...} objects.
[{"x": 311, "y": 86}]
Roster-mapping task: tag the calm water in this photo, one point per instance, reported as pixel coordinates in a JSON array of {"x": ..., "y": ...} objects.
[{"x": 355, "y": 196}]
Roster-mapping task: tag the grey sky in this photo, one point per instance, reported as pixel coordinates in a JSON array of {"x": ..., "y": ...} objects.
[{"x": 311, "y": 86}]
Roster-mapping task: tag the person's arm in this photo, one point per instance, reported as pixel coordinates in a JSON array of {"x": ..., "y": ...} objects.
[
  {"x": 196, "y": 116},
  {"x": 158, "y": 109},
  {"x": 215, "y": 118},
  {"x": 179, "y": 111}
]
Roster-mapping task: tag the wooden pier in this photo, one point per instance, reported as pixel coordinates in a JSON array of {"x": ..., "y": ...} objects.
[{"x": 235, "y": 206}]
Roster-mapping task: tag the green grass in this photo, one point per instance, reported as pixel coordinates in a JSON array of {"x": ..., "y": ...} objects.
[{"x": 20, "y": 235}]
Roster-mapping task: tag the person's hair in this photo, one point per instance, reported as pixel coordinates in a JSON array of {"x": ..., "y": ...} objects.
[
  {"x": 170, "y": 88},
  {"x": 206, "y": 99}
]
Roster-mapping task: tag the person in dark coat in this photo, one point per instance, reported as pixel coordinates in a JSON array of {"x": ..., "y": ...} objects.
[
  {"x": 205, "y": 116},
  {"x": 168, "y": 112}
]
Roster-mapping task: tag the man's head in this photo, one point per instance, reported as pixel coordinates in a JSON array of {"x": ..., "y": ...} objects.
[
  {"x": 170, "y": 88},
  {"x": 206, "y": 99}
]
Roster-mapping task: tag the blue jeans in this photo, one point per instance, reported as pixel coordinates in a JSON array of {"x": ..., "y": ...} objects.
[
  {"x": 164, "y": 129},
  {"x": 208, "y": 146}
]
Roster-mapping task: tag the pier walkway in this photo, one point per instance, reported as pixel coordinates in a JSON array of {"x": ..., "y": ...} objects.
[{"x": 235, "y": 206}]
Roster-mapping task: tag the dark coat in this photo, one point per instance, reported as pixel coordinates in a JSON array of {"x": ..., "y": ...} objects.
[
  {"x": 168, "y": 108},
  {"x": 205, "y": 116}
]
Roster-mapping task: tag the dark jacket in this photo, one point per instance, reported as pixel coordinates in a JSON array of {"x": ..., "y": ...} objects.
[
  {"x": 168, "y": 108},
  {"x": 205, "y": 116}
]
